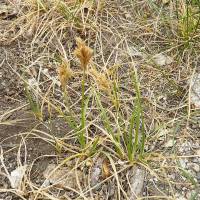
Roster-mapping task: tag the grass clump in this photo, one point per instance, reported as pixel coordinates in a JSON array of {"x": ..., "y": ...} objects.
[
  {"x": 137, "y": 143},
  {"x": 189, "y": 19}
]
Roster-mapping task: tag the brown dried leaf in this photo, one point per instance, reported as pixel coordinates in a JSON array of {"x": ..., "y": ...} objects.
[{"x": 105, "y": 169}]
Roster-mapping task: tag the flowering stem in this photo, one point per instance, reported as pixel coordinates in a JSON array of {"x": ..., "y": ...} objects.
[{"x": 81, "y": 135}]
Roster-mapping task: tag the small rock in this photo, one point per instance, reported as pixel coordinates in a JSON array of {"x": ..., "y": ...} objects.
[
  {"x": 183, "y": 163},
  {"x": 195, "y": 167},
  {"x": 161, "y": 59},
  {"x": 16, "y": 177},
  {"x": 136, "y": 183},
  {"x": 172, "y": 176},
  {"x": 162, "y": 133},
  {"x": 184, "y": 189},
  {"x": 155, "y": 179},
  {"x": 165, "y": 1},
  {"x": 188, "y": 195},
  {"x": 198, "y": 152},
  {"x": 195, "y": 90},
  {"x": 63, "y": 176},
  {"x": 132, "y": 51},
  {"x": 185, "y": 147},
  {"x": 198, "y": 177},
  {"x": 128, "y": 16},
  {"x": 33, "y": 83},
  {"x": 96, "y": 172},
  {"x": 169, "y": 143}
]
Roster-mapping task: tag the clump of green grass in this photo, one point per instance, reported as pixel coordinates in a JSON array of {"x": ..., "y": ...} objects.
[
  {"x": 136, "y": 129},
  {"x": 33, "y": 102},
  {"x": 189, "y": 19},
  {"x": 128, "y": 142}
]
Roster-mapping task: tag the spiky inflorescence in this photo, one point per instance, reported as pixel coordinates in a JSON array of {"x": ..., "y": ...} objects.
[
  {"x": 83, "y": 53},
  {"x": 102, "y": 81},
  {"x": 64, "y": 73}
]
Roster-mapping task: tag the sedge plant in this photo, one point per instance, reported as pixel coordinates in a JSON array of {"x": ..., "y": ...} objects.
[
  {"x": 84, "y": 54},
  {"x": 33, "y": 102},
  {"x": 105, "y": 85},
  {"x": 135, "y": 137},
  {"x": 64, "y": 74},
  {"x": 189, "y": 20}
]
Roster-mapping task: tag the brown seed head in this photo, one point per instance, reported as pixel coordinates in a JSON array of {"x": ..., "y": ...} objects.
[
  {"x": 83, "y": 53},
  {"x": 64, "y": 73},
  {"x": 102, "y": 81}
]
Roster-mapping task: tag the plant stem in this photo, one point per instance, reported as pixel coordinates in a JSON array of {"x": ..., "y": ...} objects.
[{"x": 81, "y": 136}]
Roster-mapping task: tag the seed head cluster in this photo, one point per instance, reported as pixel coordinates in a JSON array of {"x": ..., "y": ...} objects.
[
  {"x": 83, "y": 53},
  {"x": 102, "y": 81},
  {"x": 64, "y": 73}
]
